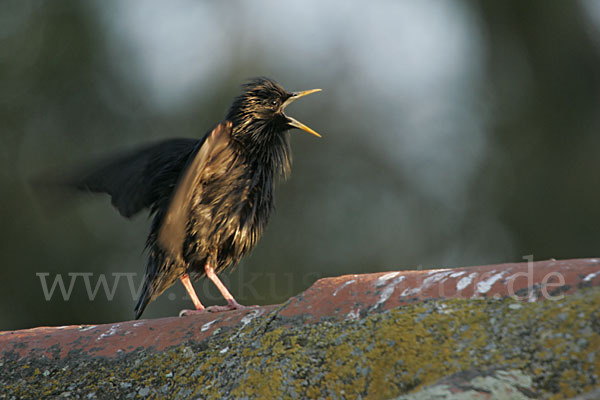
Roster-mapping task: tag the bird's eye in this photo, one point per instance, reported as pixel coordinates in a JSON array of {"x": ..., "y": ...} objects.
[{"x": 274, "y": 102}]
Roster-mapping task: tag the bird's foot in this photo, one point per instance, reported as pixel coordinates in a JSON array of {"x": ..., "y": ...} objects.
[
  {"x": 186, "y": 313},
  {"x": 230, "y": 306}
]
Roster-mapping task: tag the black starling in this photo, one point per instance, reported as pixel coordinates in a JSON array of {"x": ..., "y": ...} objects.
[{"x": 212, "y": 197}]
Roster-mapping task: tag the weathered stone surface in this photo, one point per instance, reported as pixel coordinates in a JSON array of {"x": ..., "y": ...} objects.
[
  {"x": 359, "y": 336},
  {"x": 495, "y": 384}
]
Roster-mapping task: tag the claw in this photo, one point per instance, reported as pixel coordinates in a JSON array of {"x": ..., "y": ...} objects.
[
  {"x": 186, "y": 313},
  {"x": 228, "y": 307}
]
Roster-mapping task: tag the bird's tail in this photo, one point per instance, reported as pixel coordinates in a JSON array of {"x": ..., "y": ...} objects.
[
  {"x": 144, "y": 299},
  {"x": 161, "y": 272},
  {"x": 153, "y": 268}
]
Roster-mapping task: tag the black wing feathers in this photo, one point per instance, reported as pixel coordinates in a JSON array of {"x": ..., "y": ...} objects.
[{"x": 141, "y": 178}]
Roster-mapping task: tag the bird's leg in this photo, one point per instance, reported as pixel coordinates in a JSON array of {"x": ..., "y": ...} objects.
[
  {"x": 231, "y": 303},
  {"x": 185, "y": 279}
]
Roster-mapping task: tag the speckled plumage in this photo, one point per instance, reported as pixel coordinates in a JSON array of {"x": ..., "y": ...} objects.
[{"x": 210, "y": 198}]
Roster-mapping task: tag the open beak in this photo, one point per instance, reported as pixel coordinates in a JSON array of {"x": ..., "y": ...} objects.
[{"x": 294, "y": 122}]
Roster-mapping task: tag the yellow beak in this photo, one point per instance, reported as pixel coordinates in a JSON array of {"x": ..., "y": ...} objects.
[{"x": 294, "y": 122}]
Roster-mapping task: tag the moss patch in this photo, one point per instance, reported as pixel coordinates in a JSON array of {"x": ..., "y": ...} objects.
[{"x": 382, "y": 355}]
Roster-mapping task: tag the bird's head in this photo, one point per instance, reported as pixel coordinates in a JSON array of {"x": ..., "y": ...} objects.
[{"x": 258, "y": 114}]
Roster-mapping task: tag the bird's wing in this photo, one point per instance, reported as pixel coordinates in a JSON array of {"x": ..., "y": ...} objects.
[
  {"x": 141, "y": 178},
  {"x": 171, "y": 235}
]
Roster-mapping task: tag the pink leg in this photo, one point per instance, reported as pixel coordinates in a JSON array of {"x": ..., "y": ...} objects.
[
  {"x": 185, "y": 279},
  {"x": 231, "y": 303}
]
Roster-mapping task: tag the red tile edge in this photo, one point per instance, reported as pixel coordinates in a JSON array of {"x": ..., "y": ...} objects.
[{"x": 350, "y": 295}]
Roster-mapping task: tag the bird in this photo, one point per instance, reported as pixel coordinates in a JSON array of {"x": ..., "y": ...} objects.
[{"x": 210, "y": 198}]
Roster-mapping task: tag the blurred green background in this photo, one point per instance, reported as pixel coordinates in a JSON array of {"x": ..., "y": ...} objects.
[{"x": 455, "y": 133}]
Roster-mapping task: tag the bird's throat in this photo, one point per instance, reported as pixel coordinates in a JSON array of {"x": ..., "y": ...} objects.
[{"x": 268, "y": 147}]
